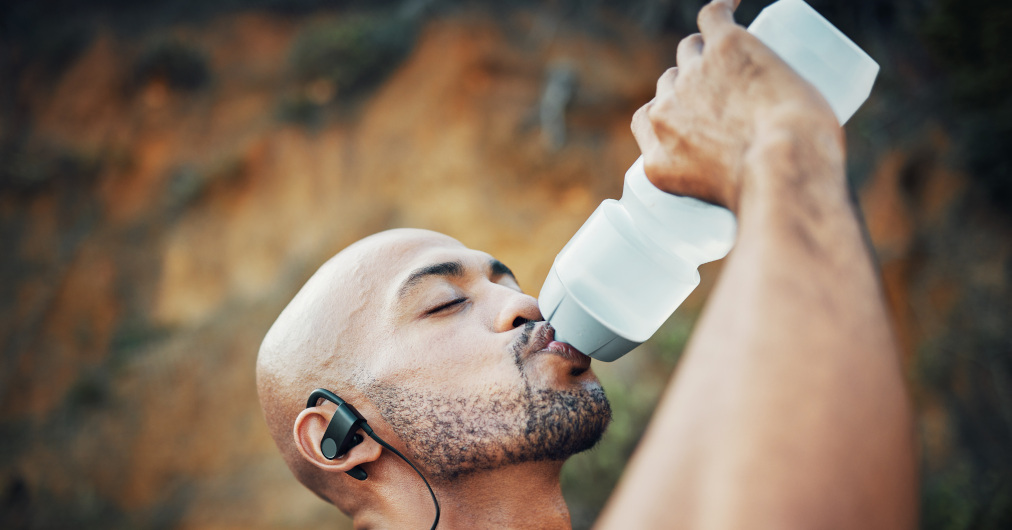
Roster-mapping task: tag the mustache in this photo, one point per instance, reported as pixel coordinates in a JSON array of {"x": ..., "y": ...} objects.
[{"x": 522, "y": 342}]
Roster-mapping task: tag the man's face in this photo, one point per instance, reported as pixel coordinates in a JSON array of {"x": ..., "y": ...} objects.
[{"x": 465, "y": 371}]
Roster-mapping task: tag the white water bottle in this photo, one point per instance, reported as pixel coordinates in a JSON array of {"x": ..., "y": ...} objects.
[{"x": 635, "y": 260}]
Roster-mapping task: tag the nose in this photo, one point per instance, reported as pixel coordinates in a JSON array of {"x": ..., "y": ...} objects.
[{"x": 517, "y": 310}]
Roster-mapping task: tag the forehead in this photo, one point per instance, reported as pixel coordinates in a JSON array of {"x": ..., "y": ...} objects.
[{"x": 385, "y": 262}]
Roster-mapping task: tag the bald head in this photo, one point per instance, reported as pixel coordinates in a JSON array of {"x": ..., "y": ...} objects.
[{"x": 319, "y": 339}]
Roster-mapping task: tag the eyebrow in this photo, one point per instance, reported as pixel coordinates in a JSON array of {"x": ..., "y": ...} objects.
[
  {"x": 500, "y": 269},
  {"x": 448, "y": 269}
]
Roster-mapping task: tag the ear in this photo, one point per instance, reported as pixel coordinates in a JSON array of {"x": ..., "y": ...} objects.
[{"x": 310, "y": 426}]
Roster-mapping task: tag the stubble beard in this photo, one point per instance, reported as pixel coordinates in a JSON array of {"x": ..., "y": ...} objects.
[{"x": 451, "y": 437}]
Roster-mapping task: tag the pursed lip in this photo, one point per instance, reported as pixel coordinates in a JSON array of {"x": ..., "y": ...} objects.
[{"x": 543, "y": 341}]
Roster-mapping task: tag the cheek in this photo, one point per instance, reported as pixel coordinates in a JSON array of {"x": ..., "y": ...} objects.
[{"x": 465, "y": 358}]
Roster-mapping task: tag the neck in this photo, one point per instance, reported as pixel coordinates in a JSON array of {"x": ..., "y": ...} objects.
[
  {"x": 523, "y": 495},
  {"x": 517, "y": 496}
]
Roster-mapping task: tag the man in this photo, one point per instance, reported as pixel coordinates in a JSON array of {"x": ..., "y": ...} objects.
[{"x": 787, "y": 411}]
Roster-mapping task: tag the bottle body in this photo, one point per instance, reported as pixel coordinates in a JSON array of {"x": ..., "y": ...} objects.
[
  {"x": 635, "y": 260},
  {"x": 631, "y": 264}
]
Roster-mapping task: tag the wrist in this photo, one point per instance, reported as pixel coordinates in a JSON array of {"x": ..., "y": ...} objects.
[{"x": 793, "y": 153}]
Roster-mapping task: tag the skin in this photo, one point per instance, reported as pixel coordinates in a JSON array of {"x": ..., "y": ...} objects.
[
  {"x": 452, "y": 332},
  {"x": 788, "y": 409}
]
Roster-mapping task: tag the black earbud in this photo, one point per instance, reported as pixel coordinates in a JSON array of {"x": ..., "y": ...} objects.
[
  {"x": 342, "y": 431},
  {"x": 342, "y": 434}
]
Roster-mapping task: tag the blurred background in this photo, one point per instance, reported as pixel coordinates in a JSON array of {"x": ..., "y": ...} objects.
[{"x": 172, "y": 171}]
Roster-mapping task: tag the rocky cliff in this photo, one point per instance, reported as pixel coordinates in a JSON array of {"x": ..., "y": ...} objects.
[{"x": 165, "y": 190}]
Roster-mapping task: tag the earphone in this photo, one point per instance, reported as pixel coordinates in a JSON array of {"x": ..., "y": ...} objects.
[
  {"x": 342, "y": 434},
  {"x": 342, "y": 431}
]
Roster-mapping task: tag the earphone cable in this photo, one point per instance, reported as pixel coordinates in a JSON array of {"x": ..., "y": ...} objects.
[{"x": 368, "y": 430}]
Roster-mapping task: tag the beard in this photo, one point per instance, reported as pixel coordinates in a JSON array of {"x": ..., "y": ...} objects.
[{"x": 451, "y": 437}]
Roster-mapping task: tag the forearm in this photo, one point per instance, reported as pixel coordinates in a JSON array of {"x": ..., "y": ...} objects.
[{"x": 788, "y": 410}]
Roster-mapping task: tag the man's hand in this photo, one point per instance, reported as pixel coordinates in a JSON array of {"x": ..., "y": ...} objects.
[{"x": 728, "y": 99}]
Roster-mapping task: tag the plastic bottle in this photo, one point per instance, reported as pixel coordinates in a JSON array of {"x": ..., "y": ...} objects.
[{"x": 635, "y": 260}]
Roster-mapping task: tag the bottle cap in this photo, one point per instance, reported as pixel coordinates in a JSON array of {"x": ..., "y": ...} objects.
[{"x": 576, "y": 326}]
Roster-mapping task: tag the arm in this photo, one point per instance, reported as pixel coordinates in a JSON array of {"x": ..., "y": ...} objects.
[{"x": 788, "y": 409}]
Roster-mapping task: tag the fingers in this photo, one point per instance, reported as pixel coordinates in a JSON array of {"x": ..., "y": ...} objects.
[
  {"x": 667, "y": 81},
  {"x": 716, "y": 19},
  {"x": 643, "y": 129},
  {"x": 641, "y": 123},
  {"x": 689, "y": 48}
]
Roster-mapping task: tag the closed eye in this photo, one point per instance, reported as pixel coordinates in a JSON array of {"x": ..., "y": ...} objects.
[{"x": 445, "y": 306}]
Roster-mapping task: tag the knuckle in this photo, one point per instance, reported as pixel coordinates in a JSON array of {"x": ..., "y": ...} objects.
[
  {"x": 691, "y": 41},
  {"x": 667, "y": 78},
  {"x": 637, "y": 120},
  {"x": 707, "y": 11},
  {"x": 659, "y": 114},
  {"x": 651, "y": 112},
  {"x": 640, "y": 118}
]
